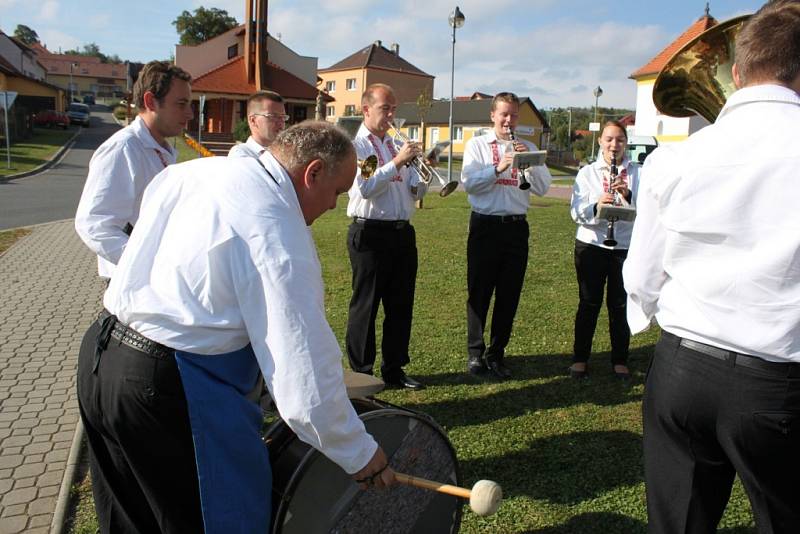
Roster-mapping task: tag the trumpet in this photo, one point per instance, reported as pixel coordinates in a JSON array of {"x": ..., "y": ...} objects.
[
  {"x": 523, "y": 182},
  {"x": 609, "y": 240},
  {"x": 425, "y": 170}
]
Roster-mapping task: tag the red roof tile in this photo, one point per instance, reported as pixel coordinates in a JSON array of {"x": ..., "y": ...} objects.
[
  {"x": 230, "y": 78},
  {"x": 655, "y": 65}
]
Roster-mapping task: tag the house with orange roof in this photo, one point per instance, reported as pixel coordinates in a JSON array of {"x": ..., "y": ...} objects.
[
  {"x": 83, "y": 75},
  {"x": 346, "y": 80},
  {"x": 650, "y": 121},
  {"x": 230, "y": 67}
]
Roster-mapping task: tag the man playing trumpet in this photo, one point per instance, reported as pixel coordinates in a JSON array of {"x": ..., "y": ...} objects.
[
  {"x": 497, "y": 247},
  {"x": 382, "y": 243}
]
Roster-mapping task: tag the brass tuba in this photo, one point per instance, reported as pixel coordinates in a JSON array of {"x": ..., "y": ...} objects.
[{"x": 698, "y": 79}]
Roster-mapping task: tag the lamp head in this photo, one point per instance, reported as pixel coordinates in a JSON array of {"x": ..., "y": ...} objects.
[{"x": 456, "y": 18}]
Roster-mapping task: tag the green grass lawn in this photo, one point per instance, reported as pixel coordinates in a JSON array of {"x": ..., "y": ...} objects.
[
  {"x": 37, "y": 150},
  {"x": 568, "y": 455},
  {"x": 185, "y": 152}
]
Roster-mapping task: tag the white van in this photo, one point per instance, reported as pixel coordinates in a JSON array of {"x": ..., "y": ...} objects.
[{"x": 640, "y": 146}]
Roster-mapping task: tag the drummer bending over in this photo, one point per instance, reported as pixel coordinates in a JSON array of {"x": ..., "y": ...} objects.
[{"x": 220, "y": 277}]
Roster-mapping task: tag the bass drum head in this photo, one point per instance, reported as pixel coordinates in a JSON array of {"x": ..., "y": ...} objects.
[{"x": 318, "y": 497}]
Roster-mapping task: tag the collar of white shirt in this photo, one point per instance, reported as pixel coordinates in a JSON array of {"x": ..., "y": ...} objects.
[
  {"x": 143, "y": 132},
  {"x": 760, "y": 93}
]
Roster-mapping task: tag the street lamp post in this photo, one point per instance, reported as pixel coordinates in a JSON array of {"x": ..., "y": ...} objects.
[
  {"x": 456, "y": 20},
  {"x": 598, "y": 92},
  {"x": 71, "y": 65}
]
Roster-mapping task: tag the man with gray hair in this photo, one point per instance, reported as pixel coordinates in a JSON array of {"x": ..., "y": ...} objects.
[
  {"x": 219, "y": 279},
  {"x": 715, "y": 259},
  {"x": 266, "y": 118}
]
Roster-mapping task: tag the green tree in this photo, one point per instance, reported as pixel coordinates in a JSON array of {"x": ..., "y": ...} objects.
[
  {"x": 26, "y": 34},
  {"x": 202, "y": 25},
  {"x": 93, "y": 50}
]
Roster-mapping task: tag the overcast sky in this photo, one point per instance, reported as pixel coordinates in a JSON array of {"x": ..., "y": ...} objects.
[{"x": 554, "y": 51}]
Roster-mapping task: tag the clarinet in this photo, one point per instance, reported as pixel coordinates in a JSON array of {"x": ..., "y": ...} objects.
[
  {"x": 609, "y": 240},
  {"x": 523, "y": 182}
]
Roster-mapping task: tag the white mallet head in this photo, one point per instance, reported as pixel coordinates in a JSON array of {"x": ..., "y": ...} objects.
[{"x": 485, "y": 497}]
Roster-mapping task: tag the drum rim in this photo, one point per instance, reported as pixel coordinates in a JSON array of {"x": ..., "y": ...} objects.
[{"x": 279, "y": 511}]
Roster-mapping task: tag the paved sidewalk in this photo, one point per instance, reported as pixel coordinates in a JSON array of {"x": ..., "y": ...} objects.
[{"x": 50, "y": 293}]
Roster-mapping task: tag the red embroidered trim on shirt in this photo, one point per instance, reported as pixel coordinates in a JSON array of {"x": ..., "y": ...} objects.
[
  {"x": 379, "y": 153},
  {"x": 496, "y": 162},
  {"x": 161, "y": 157}
]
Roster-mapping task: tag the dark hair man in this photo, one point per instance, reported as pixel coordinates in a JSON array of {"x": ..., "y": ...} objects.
[
  {"x": 715, "y": 259},
  {"x": 124, "y": 164}
]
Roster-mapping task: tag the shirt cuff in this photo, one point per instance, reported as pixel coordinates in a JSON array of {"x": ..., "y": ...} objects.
[{"x": 638, "y": 321}]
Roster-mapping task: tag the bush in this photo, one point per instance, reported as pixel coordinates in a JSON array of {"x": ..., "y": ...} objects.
[{"x": 241, "y": 131}]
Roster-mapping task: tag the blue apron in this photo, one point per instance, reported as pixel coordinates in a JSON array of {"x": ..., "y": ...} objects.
[{"x": 232, "y": 461}]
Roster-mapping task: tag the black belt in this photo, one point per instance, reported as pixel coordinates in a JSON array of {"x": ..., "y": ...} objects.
[
  {"x": 499, "y": 219},
  {"x": 378, "y": 223},
  {"x": 133, "y": 339},
  {"x": 735, "y": 358}
]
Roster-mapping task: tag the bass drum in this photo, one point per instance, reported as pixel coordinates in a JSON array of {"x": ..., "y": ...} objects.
[{"x": 312, "y": 495}]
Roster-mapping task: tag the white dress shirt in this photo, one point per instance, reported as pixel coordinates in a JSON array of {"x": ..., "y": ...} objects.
[
  {"x": 715, "y": 252},
  {"x": 490, "y": 194},
  {"x": 221, "y": 257},
  {"x": 590, "y": 184},
  {"x": 388, "y": 194},
  {"x": 119, "y": 171},
  {"x": 248, "y": 149}
]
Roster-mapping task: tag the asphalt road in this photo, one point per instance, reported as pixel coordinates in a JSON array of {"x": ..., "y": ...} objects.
[{"x": 53, "y": 195}]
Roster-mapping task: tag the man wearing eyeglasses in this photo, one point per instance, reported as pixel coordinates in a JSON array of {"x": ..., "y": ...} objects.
[{"x": 266, "y": 117}]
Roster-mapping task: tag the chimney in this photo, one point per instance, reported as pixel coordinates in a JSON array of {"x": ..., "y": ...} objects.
[
  {"x": 396, "y": 49},
  {"x": 378, "y": 43}
]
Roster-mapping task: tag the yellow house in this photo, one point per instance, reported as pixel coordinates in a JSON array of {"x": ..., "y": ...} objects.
[
  {"x": 32, "y": 96},
  {"x": 470, "y": 118},
  {"x": 346, "y": 80}
]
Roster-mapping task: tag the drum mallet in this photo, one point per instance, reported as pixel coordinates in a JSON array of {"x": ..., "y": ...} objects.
[{"x": 484, "y": 497}]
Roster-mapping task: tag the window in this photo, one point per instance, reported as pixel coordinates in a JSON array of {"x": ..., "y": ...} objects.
[
  {"x": 458, "y": 133},
  {"x": 349, "y": 110},
  {"x": 330, "y": 86},
  {"x": 351, "y": 84},
  {"x": 233, "y": 51},
  {"x": 330, "y": 111},
  {"x": 413, "y": 133}
]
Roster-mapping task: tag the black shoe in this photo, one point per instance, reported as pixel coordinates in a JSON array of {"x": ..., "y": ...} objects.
[
  {"x": 579, "y": 375},
  {"x": 622, "y": 376},
  {"x": 403, "y": 381},
  {"x": 498, "y": 370},
  {"x": 476, "y": 366}
]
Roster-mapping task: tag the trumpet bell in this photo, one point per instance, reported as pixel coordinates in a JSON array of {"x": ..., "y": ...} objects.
[
  {"x": 448, "y": 188},
  {"x": 698, "y": 79},
  {"x": 368, "y": 166}
]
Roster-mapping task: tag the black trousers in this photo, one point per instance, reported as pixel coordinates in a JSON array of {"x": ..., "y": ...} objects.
[
  {"x": 706, "y": 420},
  {"x": 598, "y": 268},
  {"x": 384, "y": 263},
  {"x": 141, "y": 452},
  {"x": 497, "y": 257}
]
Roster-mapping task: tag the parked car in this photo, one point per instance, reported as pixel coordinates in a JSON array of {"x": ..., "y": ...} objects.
[
  {"x": 640, "y": 146},
  {"x": 79, "y": 113},
  {"x": 50, "y": 118},
  {"x": 88, "y": 99}
]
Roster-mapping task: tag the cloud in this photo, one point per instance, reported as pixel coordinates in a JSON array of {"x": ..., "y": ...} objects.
[
  {"x": 55, "y": 40},
  {"x": 48, "y": 11},
  {"x": 100, "y": 21}
]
